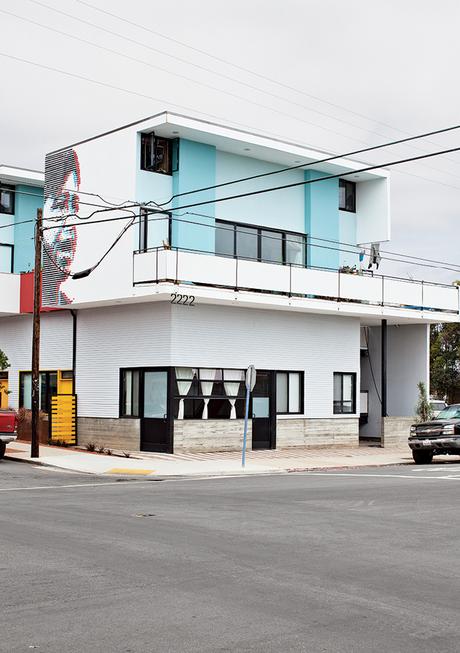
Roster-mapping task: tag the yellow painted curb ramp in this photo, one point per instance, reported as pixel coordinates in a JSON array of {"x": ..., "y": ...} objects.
[{"x": 130, "y": 470}]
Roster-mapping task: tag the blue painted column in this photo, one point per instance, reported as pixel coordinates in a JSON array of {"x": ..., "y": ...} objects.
[
  {"x": 26, "y": 206},
  {"x": 322, "y": 221},
  {"x": 197, "y": 169}
]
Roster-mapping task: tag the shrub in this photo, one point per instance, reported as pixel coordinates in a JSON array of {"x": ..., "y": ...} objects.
[{"x": 90, "y": 446}]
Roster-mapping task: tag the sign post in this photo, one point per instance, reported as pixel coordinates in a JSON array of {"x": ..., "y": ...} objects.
[{"x": 250, "y": 382}]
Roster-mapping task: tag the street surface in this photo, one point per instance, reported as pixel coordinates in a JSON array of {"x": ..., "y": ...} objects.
[{"x": 354, "y": 561}]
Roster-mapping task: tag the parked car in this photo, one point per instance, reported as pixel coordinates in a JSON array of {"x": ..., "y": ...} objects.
[
  {"x": 436, "y": 406},
  {"x": 438, "y": 436},
  {"x": 8, "y": 429}
]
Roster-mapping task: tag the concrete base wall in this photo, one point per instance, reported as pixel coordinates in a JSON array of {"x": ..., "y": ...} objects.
[
  {"x": 396, "y": 430},
  {"x": 220, "y": 435},
  {"x": 121, "y": 434},
  {"x": 317, "y": 432},
  {"x": 209, "y": 435}
]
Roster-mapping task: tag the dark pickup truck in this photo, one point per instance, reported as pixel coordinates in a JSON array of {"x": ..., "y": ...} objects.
[
  {"x": 439, "y": 436},
  {"x": 8, "y": 429}
]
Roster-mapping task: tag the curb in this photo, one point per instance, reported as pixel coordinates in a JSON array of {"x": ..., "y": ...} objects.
[{"x": 217, "y": 474}]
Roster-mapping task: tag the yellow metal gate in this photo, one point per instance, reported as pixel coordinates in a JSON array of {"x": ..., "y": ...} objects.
[{"x": 64, "y": 418}]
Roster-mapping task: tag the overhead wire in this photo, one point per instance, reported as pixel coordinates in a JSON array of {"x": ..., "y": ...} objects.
[
  {"x": 204, "y": 84},
  {"x": 244, "y": 69}
]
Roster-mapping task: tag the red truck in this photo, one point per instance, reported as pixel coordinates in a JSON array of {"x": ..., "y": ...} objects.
[{"x": 8, "y": 429}]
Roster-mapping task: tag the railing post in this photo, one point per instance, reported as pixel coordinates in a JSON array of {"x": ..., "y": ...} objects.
[
  {"x": 383, "y": 290},
  {"x": 177, "y": 265},
  {"x": 338, "y": 286},
  {"x": 156, "y": 265},
  {"x": 423, "y": 305},
  {"x": 236, "y": 273},
  {"x": 290, "y": 279}
]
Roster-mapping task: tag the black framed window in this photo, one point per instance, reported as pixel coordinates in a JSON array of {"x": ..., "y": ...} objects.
[
  {"x": 129, "y": 393},
  {"x": 47, "y": 389},
  {"x": 154, "y": 230},
  {"x": 289, "y": 393},
  {"x": 260, "y": 243},
  {"x": 347, "y": 195},
  {"x": 6, "y": 257},
  {"x": 7, "y": 198},
  {"x": 159, "y": 154},
  {"x": 344, "y": 392},
  {"x": 213, "y": 392}
]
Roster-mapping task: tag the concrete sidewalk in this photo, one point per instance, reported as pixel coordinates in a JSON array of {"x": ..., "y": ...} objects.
[{"x": 210, "y": 464}]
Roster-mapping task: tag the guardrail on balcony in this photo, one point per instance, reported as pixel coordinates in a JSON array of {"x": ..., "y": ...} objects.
[{"x": 190, "y": 267}]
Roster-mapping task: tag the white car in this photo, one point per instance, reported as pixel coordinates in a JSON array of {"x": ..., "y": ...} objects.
[{"x": 436, "y": 406}]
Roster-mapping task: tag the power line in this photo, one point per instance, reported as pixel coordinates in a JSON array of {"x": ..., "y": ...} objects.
[
  {"x": 142, "y": 95},
  {"x": 244, "y": 69},
  {"x": 296, "y": 184},
  {"x": 313, "y": 163},
  {"x": 211, "y": 87}
]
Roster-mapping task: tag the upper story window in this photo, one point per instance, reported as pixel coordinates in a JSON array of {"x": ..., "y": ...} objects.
[
  {"x": 347, "y": 195},
  {"x": 260, "y": 244},
  {"x": 344, "y": 392},
  {"x": 158, "y": 154},
  {"x": 6, "y": 198}
]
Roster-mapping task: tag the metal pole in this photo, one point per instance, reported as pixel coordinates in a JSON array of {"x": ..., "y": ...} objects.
[
  {"x": 245, "y": 435},
  {"x": 384, "y": 368},
  {"x": 34, "y": 442}
]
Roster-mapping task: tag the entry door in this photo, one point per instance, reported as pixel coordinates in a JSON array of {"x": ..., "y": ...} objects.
[
  {"x": 156, "y": 425},
  {"x": 263, "y": 412}
]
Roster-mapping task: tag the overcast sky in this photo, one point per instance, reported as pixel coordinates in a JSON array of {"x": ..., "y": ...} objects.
[{"x": 331, "y": 74}]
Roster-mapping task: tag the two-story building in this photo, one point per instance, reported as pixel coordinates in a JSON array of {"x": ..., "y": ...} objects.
[{"x": 168, "y": 290}]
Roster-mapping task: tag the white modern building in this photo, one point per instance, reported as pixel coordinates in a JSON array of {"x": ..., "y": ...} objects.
[{"x": 160, "y": 287}]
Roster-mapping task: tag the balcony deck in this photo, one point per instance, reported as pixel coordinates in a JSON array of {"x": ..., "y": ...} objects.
[{"x": 357, "y": 294}]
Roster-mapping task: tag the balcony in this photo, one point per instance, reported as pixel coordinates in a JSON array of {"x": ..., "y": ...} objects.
[
  {"x": 9, "y": 293},
  {"x": 363, "y": 293}
]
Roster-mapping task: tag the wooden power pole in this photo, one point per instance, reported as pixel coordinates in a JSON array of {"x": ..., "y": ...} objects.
[{"x": 34, "y": 448}]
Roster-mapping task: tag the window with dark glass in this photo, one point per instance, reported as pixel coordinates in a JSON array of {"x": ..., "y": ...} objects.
[
  {"x": 154, "y": 230},
  {"x": 47, "y": 389},
  {"x": 6, "y": 257},
  {"x": 344, "y": 392},
  {"x": 129, "y": 404},
  {"x": 208, "y": 393},
  {"x": 347, "y": 195},
  {"x": 289, "y": 393},
  {"x": 259, "y": 243},
  {"x": 6, "y": 198},
  {"x": 156, "y": 154}
]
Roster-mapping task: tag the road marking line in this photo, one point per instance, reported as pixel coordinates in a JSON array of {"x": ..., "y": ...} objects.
[
  {"x": 74, "y": 485},
  {"x": 451, "y": 478}
]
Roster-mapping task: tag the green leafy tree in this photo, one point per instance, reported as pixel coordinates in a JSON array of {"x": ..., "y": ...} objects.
[
  {"x": 445, "y": 360},
  {"x": 423, "y": 409},
  {"x": 4, "y": 364}
]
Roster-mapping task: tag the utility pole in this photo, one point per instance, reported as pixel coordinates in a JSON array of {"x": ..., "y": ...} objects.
[{"x": 34, "y": 442}]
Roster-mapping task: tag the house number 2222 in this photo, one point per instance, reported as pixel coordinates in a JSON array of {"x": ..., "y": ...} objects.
[{"x": 185, "y": 300}]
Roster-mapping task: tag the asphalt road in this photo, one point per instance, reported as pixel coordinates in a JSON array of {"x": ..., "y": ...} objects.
[{"x": 353, "y": 562}]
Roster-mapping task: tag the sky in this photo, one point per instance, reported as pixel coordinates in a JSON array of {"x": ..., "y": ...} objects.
[{"x": 334, "y": 75}]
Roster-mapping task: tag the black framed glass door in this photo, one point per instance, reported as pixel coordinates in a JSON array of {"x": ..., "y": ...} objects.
[
  {"x": 156, "y": 414},
  {"x": 264, "y": 411}
]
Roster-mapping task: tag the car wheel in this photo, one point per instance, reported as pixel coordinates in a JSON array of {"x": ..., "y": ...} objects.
[
  {"x": 2, "y": 449},
  {"x": 422, "y": 457}
]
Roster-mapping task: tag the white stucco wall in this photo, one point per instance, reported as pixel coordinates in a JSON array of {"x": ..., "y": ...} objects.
[{"x": 407, "y": 364}]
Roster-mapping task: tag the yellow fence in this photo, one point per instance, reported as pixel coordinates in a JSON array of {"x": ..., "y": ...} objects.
[{"x": 64, "y": 418}]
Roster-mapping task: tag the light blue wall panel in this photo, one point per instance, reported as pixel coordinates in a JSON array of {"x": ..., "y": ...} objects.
[
  {"x": 197, "y": 169},
  {"x": 347, "y": 233},
  {"x": 282, "y": 209},
  {"x": 26, "y": 206},
  {"x": 322, "y": 220}
]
